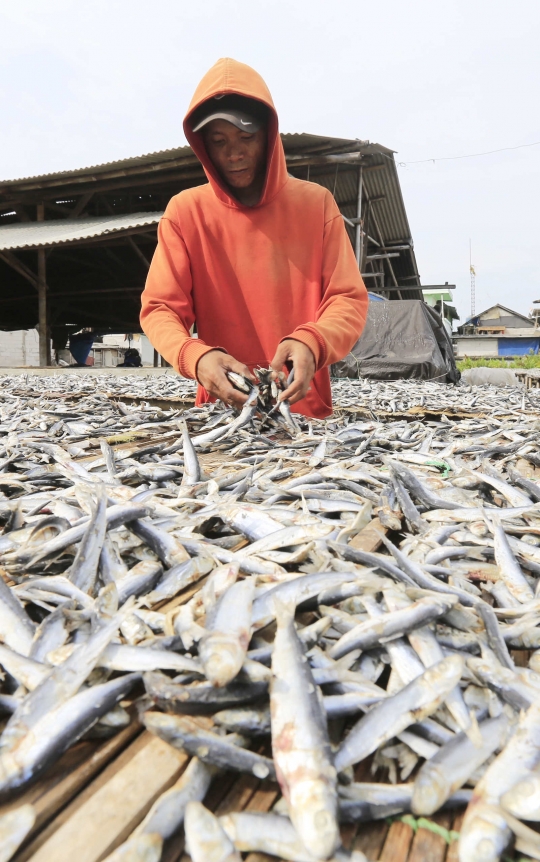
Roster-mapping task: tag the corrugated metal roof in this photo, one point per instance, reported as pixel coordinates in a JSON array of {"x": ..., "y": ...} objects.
[
  {"x": 132, "y": 161},
  {"x": 61, "y": 231},
  {"x": 387, "y": 221},
  {"x": 183, "y": 156}
]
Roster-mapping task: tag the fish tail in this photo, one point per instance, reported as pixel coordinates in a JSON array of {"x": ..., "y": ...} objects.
[{"x": 284, "y": 610}]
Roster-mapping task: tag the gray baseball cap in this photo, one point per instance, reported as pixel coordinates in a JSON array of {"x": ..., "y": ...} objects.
[{"x": 242, "y": 120}]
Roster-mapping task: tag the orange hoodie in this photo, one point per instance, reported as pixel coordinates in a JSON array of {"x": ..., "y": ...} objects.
[{"x": 252, "y": 276}]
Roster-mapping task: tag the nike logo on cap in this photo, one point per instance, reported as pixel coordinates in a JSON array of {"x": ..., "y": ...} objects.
[{"x": 244, "y": 123}]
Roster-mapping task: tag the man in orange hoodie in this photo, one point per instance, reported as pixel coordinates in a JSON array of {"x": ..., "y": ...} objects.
[{"x": 260, "y": 260}]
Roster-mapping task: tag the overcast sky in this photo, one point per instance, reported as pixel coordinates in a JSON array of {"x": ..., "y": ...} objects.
[{"x": 85, "y": 83}]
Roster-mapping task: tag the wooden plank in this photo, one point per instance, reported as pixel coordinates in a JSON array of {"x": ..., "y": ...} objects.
[
  {"x": 73, "y": 772},
  {"x": 369, "y": 538},
  {"x": 109, "y": 815},
  {"x": 69, "y": 762},
  {"x": 452, "y": 852},
  {"x": 427, "y": 845},
  {"x": 348, "y": 834},
  {"x": 521, "y": 657},
  {"x": 82, "y": 797},
  {"x": 370, "y": 838},
  {"x": 265, "y": 797},
  {"x": 239, "y": 795},
  {"x": 219, "y": 790},
  {"x": 397, "y": 844}
]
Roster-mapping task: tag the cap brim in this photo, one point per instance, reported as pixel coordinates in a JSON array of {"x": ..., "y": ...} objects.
[{"x": 243, "y": 122}]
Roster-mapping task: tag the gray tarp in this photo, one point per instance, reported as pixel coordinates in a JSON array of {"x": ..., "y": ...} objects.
[
  {"x": 493, "y": 376},
  {"x": 402, "y": 339}
]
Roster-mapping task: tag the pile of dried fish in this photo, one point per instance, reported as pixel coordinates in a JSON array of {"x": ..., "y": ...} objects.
[
  {"x": 211, "y": 571},
  {"x": 401, "y": 396},
  {"x": 141, "y": 383}
]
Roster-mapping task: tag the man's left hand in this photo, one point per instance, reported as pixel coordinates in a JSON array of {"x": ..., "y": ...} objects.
[{"x": 295, "y": 353}]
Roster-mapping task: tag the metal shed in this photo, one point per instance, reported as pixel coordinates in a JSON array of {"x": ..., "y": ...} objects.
[{"x": 74, "y": 243}]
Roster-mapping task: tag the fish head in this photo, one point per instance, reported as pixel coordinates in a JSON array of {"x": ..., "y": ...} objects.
[
  {"x": 484, "y": 834},
  {"x": 450, "y": 669},
  {"x": 431, "y": 790},
  {"x": 222, "y": 657},
  {"x": 313, "y": 811},
  {"x": 523, "y": 799},
  {"x": 205, "y": 838}
]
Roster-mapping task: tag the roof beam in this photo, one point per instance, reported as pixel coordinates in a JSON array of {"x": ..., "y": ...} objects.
[
  {"x": 142, "y": 257},
  {"x": 22, "y": 215},
  {"x": 81, "y": 204},
  {"x": 19, "y": 267},
  {"x": 56, "y": 207}
]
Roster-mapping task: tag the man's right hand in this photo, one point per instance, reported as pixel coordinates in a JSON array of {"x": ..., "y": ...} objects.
[{"x": 211, "y": 372}]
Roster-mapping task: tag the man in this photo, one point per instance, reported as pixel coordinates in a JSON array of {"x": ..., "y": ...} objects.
[{"x": 259, "y": 260}]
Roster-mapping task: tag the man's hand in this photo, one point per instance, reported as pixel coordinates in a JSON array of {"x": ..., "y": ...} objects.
[
  {"x": 295, "y": 353},
  {"x": 211, "y": 372}
]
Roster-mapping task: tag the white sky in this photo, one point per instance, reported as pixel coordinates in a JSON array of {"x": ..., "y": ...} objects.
[{"x": 85, "y": 83}]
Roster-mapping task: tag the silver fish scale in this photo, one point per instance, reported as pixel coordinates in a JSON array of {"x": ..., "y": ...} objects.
[{"x": 402, "y": 532}]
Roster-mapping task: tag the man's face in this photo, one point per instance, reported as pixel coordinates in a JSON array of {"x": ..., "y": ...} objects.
[{"x": 239, "y": 156}]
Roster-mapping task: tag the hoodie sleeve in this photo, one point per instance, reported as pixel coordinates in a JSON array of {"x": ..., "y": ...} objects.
[
  {"x": 167, "y": 306},
  {"x": 342, "y": 312}
]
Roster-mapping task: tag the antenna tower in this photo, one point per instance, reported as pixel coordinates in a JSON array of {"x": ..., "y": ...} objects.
[{"x": 473, "y": 282}]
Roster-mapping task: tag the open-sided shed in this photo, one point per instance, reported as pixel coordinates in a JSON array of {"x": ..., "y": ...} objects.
[{"x": 75, "y": 246}]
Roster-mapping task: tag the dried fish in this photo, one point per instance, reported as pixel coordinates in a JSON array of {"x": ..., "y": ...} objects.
[{"x": 166, "y": 545}]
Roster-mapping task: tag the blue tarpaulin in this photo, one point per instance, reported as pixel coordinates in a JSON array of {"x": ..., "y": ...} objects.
[
  {"x": 80, "y": 345},
  {"x": 518, "y": 346}
]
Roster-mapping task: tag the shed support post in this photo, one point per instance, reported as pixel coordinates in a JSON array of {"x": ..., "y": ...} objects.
[
  {"x": 43, "y": 329},
  {"x": 156, "y": 358},
  {"x": 364, "y": 244},
  {"x": 358, "y": 230}
]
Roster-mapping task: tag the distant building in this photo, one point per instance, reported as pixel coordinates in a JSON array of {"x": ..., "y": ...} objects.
[
  {"x": 438, "y": 298},
  {"x": 497, "y": 331},
  {"x": 19, "y": 348},
  {"x": 111, "y": 351}
]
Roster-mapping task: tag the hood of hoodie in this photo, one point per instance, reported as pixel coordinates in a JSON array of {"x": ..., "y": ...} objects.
[{"x": 229, "y": 76}]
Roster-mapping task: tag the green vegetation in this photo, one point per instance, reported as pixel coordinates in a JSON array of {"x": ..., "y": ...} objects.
[
  {"x": 424, "y": 823},
  {"x": 529, "y": 360}
]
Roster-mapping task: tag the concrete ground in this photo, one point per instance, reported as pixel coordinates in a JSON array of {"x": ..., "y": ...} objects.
[{"x": 89, "y": 371}]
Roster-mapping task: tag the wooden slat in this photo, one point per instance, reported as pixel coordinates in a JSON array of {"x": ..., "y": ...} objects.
[
  {"x": 70, "y": 762},
  {"x": 109, "y": 813},
  {"x": 370, "y": 838},
  {"x": 348, "y": 834},
  {"x": 118, "y": 763},
  {"x": 369, "y": 538},
  {"x": 397, "y": 844},
  {"x": 238, "y": 796},
  {"x": 264, "y": 798},
  {"x": 73, "y": 772},
  {"x": 452, "y": 852},
  {"x": 219, "y": 791},
  {"x": 427, "y": 846}
]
